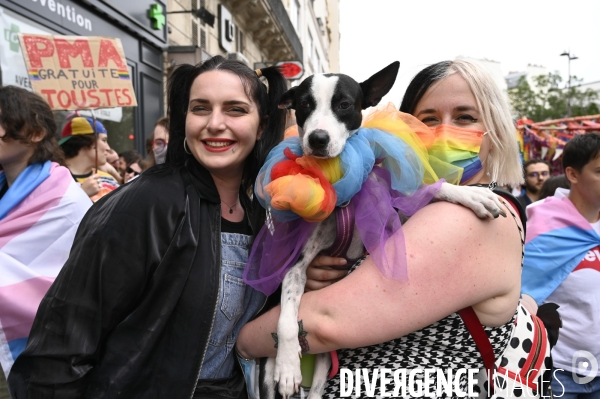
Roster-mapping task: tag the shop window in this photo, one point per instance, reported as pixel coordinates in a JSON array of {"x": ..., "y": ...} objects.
[
  {"x": 239, "y": 40},
  {"x": 203, "y": 39},
  {"x": 194, "y": 33}
]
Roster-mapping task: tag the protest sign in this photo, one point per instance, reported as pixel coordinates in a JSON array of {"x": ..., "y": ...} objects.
[{"x": 78, "y": 72}]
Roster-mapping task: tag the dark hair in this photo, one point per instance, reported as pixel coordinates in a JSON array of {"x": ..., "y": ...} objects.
[
  {"x": 149, "y": 160},
  {"x": 130, "y": 156},
  {"x": 533, "y": 162},
  {"x": 421, "y": 83},
  {"x": 72, "y": 146},
  {"x": 267, "y": 101},
  {"x": 23, "y": 115},
  {"x": 552, "y": 184},
  {"x": 580, "y": 150}
]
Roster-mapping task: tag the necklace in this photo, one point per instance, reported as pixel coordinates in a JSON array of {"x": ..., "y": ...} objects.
[{"x": 231, "y": 206}]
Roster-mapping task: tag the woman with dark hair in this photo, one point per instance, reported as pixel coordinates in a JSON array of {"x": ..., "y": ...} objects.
[
  {"x": 460, "y": 307},
  {"x": 40, "y": 210},
  {"x": 151, "y": 300}
]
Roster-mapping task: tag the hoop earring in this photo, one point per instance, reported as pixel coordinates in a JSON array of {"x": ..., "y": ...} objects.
[{"x": 187, "y": 151}]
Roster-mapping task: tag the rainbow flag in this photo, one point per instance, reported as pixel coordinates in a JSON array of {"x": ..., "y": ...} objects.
[
  {"x": 34, "y": 75},
  {"x": 557, "y": 240},
  {"x": 39, "y": 215},
  {"x": 124, "y": 75}
]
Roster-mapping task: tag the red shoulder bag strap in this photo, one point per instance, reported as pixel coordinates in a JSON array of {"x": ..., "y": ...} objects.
[{"x": 484, "y": 346}]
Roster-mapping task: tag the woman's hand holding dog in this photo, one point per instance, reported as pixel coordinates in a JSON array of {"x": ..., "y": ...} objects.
[{"x": 320, "y": 273}]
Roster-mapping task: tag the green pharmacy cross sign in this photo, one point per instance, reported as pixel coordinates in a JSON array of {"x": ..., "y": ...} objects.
[
  {"x": 156, "y": 15},
  {"x": 10, "y": 35}
]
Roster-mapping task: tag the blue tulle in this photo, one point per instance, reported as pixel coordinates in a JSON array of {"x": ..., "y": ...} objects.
[{"x": 362, "y": 151}]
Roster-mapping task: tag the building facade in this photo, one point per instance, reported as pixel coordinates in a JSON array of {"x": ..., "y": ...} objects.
[
  {"x": 256, "y": 32},
  {"x": 140, "y": 26},
  {"x": 157, "y": 35}
]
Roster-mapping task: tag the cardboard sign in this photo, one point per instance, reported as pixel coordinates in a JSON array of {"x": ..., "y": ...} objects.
[{"x": 78, "y": 72}]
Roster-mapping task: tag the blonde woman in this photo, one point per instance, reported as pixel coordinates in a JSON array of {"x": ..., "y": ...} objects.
[{"x": 464, "y": 273}]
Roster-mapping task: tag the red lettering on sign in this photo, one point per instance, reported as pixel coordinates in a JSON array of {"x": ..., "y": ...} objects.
[
  {"x": 92, "y": 94},
  {"x": 80, "y": 47},
  {"x": 38, "y": 47},
  {"x": 64, "y": 99},
  {"x": 120, "y": 93},
  {"x": 48, "y": 93},
  {"x": 126, "y": 94},
  {"x": 87, "y": 98},
  {"x": 106, "y": 93},
  {"x": 80, "y": 104},
  {"x": 109, "y": 52}
]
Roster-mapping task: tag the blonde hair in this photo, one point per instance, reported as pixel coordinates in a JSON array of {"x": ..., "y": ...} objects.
[{"x": 502, "y": 163}]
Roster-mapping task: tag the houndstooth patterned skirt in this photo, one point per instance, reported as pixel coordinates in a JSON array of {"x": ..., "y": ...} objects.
[{"x": 443, "y": 345}]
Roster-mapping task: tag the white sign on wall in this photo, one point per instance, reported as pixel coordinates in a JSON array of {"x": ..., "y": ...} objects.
[{"x": 107, "y": 114}]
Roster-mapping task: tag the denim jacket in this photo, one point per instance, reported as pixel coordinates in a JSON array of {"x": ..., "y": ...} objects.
[{"x": 238, "y": 303}]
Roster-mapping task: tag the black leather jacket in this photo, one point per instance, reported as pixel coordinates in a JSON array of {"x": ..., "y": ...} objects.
[{"x": 130, "y": 314}]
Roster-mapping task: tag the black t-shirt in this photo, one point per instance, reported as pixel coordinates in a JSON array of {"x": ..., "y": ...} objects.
[{"x": 242, "y": 227}]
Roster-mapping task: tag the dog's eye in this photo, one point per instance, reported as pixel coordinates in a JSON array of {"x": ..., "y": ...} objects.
[
  {"x": 345, "y": 105},
  {"x": 304, "y": 104}
]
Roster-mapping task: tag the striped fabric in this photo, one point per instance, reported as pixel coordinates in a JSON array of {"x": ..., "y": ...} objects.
[
  {"x": 558, "y": 238},
  {"x": 37, "y": 227}
]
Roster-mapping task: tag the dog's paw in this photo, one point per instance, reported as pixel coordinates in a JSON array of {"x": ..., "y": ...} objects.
[
  {"x": 480, "y": 200},
  {"x": 287, "y": 371}
]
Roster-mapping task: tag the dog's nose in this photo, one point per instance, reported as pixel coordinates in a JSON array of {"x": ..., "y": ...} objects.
[{"x": 318, "y": 139}]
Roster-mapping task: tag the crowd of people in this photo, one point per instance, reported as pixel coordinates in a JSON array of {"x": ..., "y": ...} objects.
[{"x": 122, "y": 274}]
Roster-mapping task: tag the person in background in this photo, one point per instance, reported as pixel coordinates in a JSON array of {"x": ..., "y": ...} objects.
[
  {"x": 132, "y": 171},
  {"x": 562, "y": 265},
  {"x": 40, "y": 209},
  {"x": 84, "y": 150},
  {"x": 554, "y": 182},
  {"x": 536, "y": 172},
  {"x": 149, "y": 161},
  {"x": 126, "y": 158},
  {"x": 110, "y": 167},
  {"x": 160, "y": 141},
  {"x": 112, "y": 158}
]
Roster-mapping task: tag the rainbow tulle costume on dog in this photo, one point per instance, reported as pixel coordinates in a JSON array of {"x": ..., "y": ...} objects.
[{"x": 385, "y": 166}]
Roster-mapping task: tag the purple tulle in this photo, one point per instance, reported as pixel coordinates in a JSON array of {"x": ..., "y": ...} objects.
[{"x": 377, "y": 221}]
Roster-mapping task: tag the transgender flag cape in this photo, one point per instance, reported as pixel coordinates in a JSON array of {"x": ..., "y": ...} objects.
[
  {"x": 39, "y": 215},
  {"x": 558, "y": 238}
]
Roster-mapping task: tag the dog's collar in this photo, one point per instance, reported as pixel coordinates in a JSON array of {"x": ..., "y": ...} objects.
[{"x": 345, "y": 221}]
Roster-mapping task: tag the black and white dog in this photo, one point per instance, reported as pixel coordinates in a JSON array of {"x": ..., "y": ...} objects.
[{"x": 328, "y": 111}]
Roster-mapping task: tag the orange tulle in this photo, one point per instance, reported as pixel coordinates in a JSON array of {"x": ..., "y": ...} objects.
[{"x": 299, "y": 185}]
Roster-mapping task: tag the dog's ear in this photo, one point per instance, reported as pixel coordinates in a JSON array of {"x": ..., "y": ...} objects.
[
  {"x": 287, "y": 100},
  {"x": 379, "y": 84}
]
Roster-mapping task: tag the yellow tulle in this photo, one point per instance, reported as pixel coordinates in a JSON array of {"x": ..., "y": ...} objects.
[{"x": 330, "y": 167}]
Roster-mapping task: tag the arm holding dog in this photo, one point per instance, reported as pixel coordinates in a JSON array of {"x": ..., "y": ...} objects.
[
  {"x": 320, "y": 273},
  {"x": 454, "y": 259}
]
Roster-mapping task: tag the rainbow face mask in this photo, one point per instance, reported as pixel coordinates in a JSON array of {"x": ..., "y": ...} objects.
[{"x": 458, "y": 146}]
